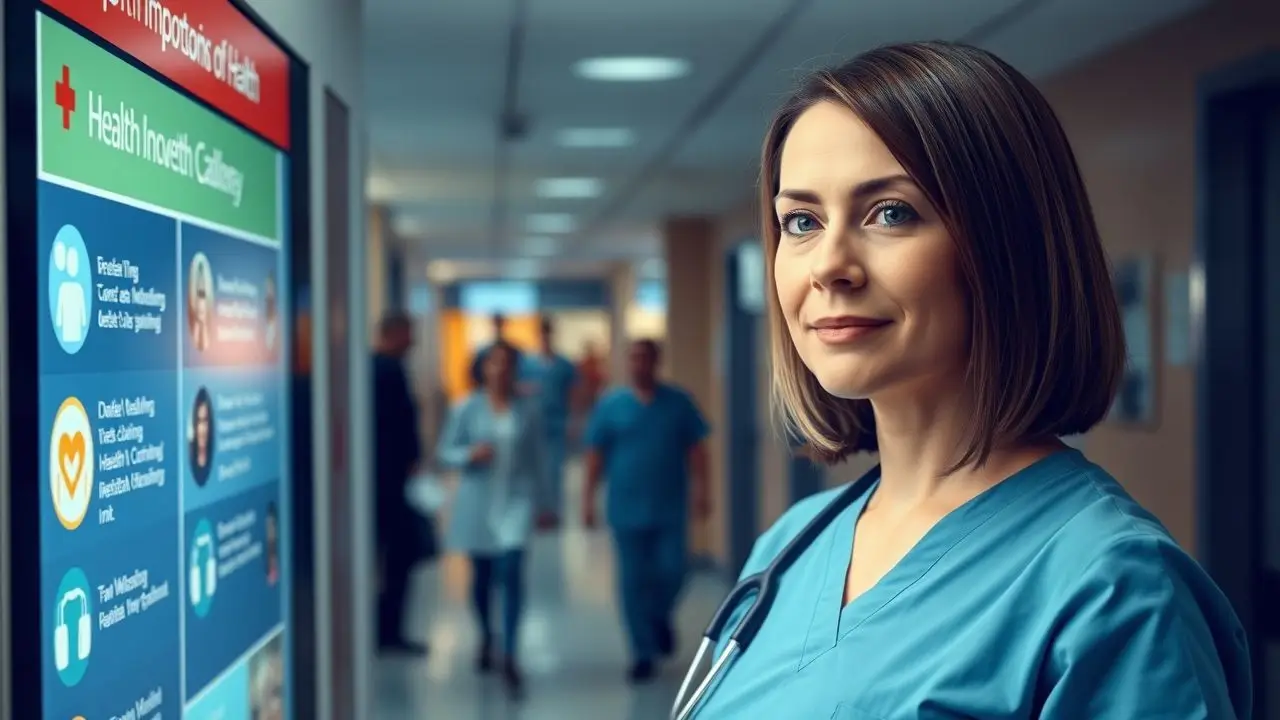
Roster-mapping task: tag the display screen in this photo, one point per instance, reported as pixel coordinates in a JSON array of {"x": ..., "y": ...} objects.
[{"x": 162, "y": 238}]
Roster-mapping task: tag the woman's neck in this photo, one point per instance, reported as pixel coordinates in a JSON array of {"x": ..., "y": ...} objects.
[
  {"x": 920, "y": 440},
  {"x": 499, "y": 397}
]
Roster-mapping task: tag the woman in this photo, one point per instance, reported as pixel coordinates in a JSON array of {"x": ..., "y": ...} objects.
[
  {"x": 940, "y": 295},
  {"x": 493, "y": 438}
]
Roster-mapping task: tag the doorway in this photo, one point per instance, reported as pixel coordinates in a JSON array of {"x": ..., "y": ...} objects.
[
  {"x": 744, "y": 280},
  {"x": 1236, "y": 316}
]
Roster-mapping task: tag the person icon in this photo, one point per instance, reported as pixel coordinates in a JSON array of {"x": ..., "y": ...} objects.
[
  {"x": 200, "y": 303},
  {"x": 70, "y": 289},
  {"x": 272, "y": 532},
  {"x": 200, "y": 437}
]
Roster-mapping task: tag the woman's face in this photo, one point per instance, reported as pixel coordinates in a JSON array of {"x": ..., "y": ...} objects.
[
  {"x": 866, "y": 274},
  {"x": 498, "y": 367},
  {"x": 202, "y": 432},
  {"x": 201, "y": 296}
]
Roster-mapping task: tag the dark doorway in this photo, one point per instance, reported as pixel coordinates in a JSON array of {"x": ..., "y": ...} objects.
[
  {"x": 1236, "y": 311},
  {"x": 742, "y": 345}
]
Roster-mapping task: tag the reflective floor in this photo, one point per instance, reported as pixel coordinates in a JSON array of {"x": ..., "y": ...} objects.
[{"x": 572, "y": 645}]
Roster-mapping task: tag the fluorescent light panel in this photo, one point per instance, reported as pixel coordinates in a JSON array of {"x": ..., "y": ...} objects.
[
  {"x": 550, "y": 223},
  {"x": 568, "y": 187},
  {"x": 595, "y": 137},
  {"x": 631, "y": 69},
  {"x": 541, "y": 246}
]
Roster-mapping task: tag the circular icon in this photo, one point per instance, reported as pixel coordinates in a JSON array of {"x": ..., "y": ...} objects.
[
  {"x": 73, "y": 627},
  {"x": 202, "y": 569},
  {"x": 70, "y": 289},
  {"x": 71, "y": 463},
  {"x": 200, "y": 302}
]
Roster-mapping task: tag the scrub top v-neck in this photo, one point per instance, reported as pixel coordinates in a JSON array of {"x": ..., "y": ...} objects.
[{"x": 978, "y": 619}]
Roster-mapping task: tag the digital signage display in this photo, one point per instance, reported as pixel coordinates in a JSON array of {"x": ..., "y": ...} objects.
[{"x": 161, "y": 415}]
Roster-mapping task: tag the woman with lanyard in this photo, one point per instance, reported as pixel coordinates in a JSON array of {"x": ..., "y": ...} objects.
[
  {"x": 940, "y": 295},
  {"x": 494, "y": 439}
]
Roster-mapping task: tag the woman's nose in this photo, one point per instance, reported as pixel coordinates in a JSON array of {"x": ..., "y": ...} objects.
[{"x": 836, "y": 262}]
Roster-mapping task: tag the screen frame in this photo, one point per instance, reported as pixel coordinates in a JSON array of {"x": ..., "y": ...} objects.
[{"x": 22, "y": 599}]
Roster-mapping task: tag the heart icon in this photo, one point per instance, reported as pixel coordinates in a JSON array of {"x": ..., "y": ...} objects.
[{"x": 71, "y": 460}]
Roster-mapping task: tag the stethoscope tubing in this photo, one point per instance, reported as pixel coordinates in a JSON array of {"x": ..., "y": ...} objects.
[{"x": 765, "y": 585}]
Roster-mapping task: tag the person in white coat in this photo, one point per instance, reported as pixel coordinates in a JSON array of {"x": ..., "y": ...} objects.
[{"x": 494, "y": 440}]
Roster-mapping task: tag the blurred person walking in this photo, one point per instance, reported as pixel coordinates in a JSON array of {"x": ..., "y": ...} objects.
[
  {"x": 494, "y": 438},
  {"x": 646, "y": 443},
  {"x": 553, "y": 379},
  {"x": 591, "y": 371},
  {"x": 398, "y": 452},
  {"x": 499, "y": 323}
]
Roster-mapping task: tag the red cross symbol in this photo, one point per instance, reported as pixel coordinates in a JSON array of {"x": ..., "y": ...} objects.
[{"x": 65, "y": 97}]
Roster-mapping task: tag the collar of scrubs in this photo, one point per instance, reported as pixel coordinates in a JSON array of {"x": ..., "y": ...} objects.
[{"x": 832, "y": 621}]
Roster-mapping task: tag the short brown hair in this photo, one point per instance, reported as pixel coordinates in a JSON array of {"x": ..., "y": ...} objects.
[{"x": 1047, "y": 346}]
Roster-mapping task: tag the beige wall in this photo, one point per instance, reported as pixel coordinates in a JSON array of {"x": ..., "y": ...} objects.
[
  {"x": 694, "y": 309},
  {"x": 376, "y": 243},
  {"x": 1131, "y": 117}
]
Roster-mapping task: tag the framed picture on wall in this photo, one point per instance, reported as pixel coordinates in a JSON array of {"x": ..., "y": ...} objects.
[{"x": 1135, "y": 402}]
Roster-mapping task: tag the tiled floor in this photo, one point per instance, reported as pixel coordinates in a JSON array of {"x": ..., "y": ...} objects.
[{"x": 572, "y": 646}]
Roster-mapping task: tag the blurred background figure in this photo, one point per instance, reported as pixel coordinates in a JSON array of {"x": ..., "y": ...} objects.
[
  {"x": 552, "y": 379},
  {"x": 592, "y": 375},
  {"x": 396, "y": 458},
  {"x": 499, "y": 322},
  {"x": 645, "y": 442},
  {"x": 495, "y": 441}
]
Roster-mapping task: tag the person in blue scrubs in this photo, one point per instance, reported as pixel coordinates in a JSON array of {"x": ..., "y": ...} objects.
[
  {"x": 552, "y": 378},
  {"x": 939, "y": 295},
  {"x": 646, "y": 443},
  {"x": 495, "y": 441}
]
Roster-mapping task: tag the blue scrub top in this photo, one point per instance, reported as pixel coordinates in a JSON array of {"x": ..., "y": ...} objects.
[
  {"x": 645, "y": 448},
  {"x": 553, "y": 377},
  {"x": 1053, "y": 595}
]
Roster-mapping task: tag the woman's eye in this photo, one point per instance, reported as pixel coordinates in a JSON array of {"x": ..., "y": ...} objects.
[
  {"x": 894, "y": 214},
  {"x": 799, "y": 224}
]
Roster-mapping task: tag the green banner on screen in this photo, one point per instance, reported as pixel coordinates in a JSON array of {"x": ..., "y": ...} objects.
[{"x": 108, "y": 125}]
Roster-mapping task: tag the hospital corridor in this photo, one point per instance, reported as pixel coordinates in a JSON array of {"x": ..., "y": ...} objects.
[
  {"x": 664, "y": 360},
  {"x": 574, "y": 648}
]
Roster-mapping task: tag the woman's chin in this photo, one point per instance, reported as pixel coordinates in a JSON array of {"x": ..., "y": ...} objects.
[{"x": 844, "y": 387}]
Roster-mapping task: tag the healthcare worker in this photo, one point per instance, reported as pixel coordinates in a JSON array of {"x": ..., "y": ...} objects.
[
  {"x": 495, "y": 440},
  {"x": 397, "y": 456},
  {"x": 939, "y": 294},
  {"x": 646, "y": 442},
  {"x": 552, "y": 379}
]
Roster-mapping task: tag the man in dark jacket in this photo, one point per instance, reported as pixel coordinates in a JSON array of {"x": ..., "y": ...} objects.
[{"x": 397, "y": 454}]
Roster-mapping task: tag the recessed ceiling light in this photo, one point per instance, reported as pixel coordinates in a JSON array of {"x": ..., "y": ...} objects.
[
  {"x": 550, "y": 223},
  {"x": 541, "y": 245},
  {"x": 595, "y": 137},
  {"x": 631, "y": 69},
  {"x": 407, "y": 226},
  {"x": 568, "y": 187}
]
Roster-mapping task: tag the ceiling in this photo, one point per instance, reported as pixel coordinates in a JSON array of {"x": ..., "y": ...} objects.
[{"x": 437, "y": 81}]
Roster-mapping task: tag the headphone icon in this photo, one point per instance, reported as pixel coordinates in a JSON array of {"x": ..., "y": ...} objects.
[
  {"x": 204, "y": 580},
  {"x": 62, "y": 636}
]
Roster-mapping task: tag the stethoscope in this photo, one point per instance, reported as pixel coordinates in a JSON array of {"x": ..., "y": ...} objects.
[{"x": 765, "y": 586}]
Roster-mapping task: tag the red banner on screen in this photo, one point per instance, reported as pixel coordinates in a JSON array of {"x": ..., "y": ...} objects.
[{"x": 207, "y": 46}]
